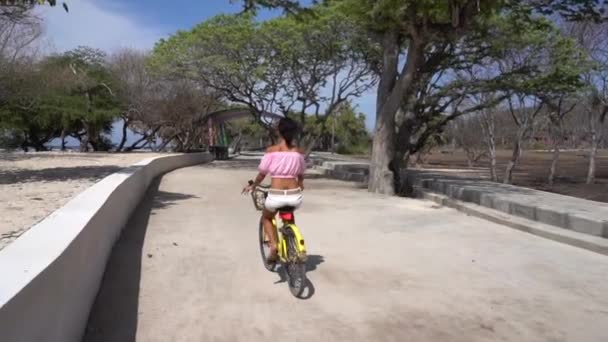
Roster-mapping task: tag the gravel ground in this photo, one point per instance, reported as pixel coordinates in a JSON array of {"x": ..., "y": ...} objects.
[{"x": 33, "y": 185}]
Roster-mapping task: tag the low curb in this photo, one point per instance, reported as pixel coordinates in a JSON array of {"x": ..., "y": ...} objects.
[
  {"x": 572, "y": 238},
  {"x": 51, "y": 274}
]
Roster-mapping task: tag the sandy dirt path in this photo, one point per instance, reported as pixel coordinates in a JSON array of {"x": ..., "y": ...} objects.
[{"x": 187, "y": 268}]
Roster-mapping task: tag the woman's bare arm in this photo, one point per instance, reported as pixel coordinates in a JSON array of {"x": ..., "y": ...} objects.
[{"x": 258, "y": 180}]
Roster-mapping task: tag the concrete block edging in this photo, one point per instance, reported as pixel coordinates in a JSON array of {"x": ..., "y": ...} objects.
[{"x": 52, "y": 273}]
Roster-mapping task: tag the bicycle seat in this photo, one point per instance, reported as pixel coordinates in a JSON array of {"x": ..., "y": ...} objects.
[{"x": 286, "y": 209}]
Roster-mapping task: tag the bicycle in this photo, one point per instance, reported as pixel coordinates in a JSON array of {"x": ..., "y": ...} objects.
[{"x": 291, "y": 250}]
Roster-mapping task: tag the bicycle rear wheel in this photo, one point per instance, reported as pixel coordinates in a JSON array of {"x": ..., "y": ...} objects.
[
  {"x": 295, "y": 268},
  {"x": 265, "y": 249}
]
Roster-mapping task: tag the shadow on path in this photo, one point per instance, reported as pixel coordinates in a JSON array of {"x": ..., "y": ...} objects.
[
  {"x": 311, "y": 264},
  {"x": 313, "y": 261},
  {"x": 115, "y": 311},
  {"x": 57, "y": 174}
]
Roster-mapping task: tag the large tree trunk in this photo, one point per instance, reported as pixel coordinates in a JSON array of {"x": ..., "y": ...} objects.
[
  {"x": 381, "y": 177},
  {"x": 592, "y": 158},
  {"x": 384, "y": 177},
  {"x": 395, "y": 167}
]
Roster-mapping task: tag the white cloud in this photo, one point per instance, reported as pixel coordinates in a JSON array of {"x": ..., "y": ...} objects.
[{"x": 90, "y": 25}]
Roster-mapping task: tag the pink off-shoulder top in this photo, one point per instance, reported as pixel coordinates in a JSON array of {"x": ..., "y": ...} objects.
[{"x": 283, "y": 164}]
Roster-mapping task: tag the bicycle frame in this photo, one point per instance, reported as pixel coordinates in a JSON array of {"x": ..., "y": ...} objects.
[
  {"x": 291, "y": 250},
  {"x": 288, "y": 225}
]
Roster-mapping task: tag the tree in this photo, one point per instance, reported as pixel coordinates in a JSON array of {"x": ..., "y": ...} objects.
[
  {"x": 86, "y": 79},
  {"x": 16, "y": 38},
  {"x": 413, "y": 32},
  {"x": 18, "y": 10},
  {"x": 134, "y": 90},
  {"x": 344, "y": 132},
  {"x": 465, "y": 79},
  {"x": 591, "y": 38},
  {"x": 328, "y": 63},
  {"x": 183, "y": 112},
  {"x": 246, "y": 132},
  {"x": 226, "y": 54},
  {"x": 558, "y": 107},
  {"x": 556, "y": 64},
  {"x": 464, "y": 131},
  {"x": 349, "y": 135},
  {"x": 487, "y": 119},
  {"x": 33, "y": 114},
  {"x": 524, "y": 110},
  {"x": 283, "y": 65},
  {"x": 19, "y": 29},
  {"x": 536, "y": 66}
]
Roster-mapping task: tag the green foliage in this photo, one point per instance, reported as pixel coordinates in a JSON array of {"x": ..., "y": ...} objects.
[
  {"x": 351, "y": 134},
  {"x": 273, "y": 66},
  {"x": 226, "y": 54},
  {"x": 534, "y": 57},
  {"x": 28, "y": 119},
  {"x": 345, "y": 131},
  {"x": 9, "y": 139},
  {"x": 249, "y": 133},
  {"x": 25, "y": 115},
  {"x": 394, "y": 10},
  {"x": 218, "y": 44},
  {"x": 69, "y": 92}
]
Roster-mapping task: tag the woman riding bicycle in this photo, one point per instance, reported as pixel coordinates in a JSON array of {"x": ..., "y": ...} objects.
[{"x": 285, "y": 164}]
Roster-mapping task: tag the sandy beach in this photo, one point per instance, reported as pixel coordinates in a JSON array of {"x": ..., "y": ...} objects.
[{"x": 33, "y": 185}]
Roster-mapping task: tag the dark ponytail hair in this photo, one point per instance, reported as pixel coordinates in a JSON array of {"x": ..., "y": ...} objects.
[{"x": 288, "y": 130}]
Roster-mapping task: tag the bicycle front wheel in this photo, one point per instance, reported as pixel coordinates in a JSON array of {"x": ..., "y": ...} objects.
[{"x": 265, "y": 248}]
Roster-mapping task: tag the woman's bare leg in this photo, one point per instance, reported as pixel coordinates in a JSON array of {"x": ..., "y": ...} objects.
[{"x": 271, "y": 233}]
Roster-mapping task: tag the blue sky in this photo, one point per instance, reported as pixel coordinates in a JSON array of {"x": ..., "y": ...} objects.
[{"x": 112, "y": 24}]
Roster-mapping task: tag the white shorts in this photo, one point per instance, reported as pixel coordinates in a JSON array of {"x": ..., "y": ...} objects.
[{"x": 276, "y": 201}]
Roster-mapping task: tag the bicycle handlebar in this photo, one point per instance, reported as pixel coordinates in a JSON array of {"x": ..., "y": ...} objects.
[{"x": 258, "y": 195}]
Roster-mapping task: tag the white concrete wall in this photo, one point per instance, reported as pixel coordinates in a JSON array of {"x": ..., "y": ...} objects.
[{"x": 49, "y": 276}]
